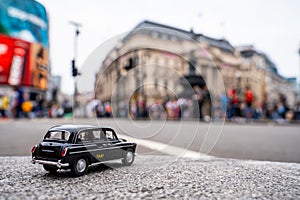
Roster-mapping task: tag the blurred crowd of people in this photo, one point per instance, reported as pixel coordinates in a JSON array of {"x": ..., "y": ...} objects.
[
  {"x": 201, "y": 105},
  {"x": 246, "y": 107},
  {"x": 18, "y": 104},
  {"x": 172, "y": 108}
]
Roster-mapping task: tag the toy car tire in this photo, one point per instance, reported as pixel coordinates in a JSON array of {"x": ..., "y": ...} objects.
[
  {"x": 128, "y": 157},
  {"x": 50, "y": 168},
  {"x": 80, "y": 166}
]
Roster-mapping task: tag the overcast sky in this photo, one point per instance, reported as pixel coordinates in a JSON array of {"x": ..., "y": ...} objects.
[{"x": 272, "y": 26}]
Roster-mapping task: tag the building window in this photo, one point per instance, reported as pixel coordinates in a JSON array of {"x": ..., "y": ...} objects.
[
  {"x": 137, "y": 61},
  {"x": 166, "y": 84},
  {"x": 164, "y": 36},
  {"x": 155, "y": 34},
  {"x": 174, "y": 38},
  {"x": 155, "y": 84},
  {"x": 167, "y": 62}
]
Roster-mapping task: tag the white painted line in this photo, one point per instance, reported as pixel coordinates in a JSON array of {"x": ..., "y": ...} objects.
[{"x": 168, "y": 149}]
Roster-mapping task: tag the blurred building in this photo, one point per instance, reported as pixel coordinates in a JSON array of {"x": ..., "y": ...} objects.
[
  {"x": 261, "y": 74},
  {"x": 156, "y": 61}
]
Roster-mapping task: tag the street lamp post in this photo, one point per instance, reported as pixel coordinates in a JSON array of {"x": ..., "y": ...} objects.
[
  {"x": 298, "y": 82},
  {"x": 75, "y": 72}
]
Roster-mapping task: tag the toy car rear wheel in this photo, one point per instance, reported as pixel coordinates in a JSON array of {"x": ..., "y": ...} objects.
[
  {"x": 80, "y": 166},
  {"x": 50, "y": 168},
  {"x": 128, "y": 157}
]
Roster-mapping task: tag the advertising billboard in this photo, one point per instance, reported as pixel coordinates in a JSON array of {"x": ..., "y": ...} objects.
[{"x": 24, "y": 44}]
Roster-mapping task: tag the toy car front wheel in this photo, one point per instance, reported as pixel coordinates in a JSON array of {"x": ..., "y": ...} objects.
[
  {"x": 128, "y": 157},
  {"x": 50, "y": 168},
  {"x": 80, "y": 166}
]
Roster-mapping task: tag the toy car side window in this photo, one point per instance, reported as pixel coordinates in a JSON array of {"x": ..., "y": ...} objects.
[
  {"x": 98, "y": 134},
  {"x": 109, "y": 135},
  {"x": 80, "y": 138},
  {"x": 102, "y": 135},
  {"x": 85, "y": 136}
]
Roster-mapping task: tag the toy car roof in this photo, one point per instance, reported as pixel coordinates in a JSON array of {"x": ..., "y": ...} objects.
[{"x": 75, "y": 128}]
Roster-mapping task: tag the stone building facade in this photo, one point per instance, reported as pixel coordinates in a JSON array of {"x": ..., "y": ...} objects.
[{"x": 156, "y": 61}]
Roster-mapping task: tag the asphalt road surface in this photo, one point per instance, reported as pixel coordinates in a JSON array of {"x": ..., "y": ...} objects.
[
  {"x": 151, "y": 178},
  {"x": 268, "y": 142},
  {"x": 155, "y": 175}
]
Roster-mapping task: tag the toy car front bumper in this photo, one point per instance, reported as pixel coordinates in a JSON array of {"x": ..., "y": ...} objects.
[{"x": 46, "y": 162}]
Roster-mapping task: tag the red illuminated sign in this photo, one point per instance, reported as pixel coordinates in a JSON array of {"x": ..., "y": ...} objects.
[{"x": 23, "y": 63}]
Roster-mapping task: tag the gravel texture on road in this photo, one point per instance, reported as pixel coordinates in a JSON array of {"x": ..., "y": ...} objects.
[{"x": 150, "y": 178}]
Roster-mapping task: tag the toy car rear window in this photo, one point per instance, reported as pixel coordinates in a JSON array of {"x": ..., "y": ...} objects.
[{"x": 57, "y": 135}]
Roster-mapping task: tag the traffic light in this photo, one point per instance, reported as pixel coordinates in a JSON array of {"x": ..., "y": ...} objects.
[{"x": 74, "y": 69}]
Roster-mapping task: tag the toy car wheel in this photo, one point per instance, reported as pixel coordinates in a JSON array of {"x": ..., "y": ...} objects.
[
  {"x": 128, "y": 157},
  {"x": 50, "y": 168},
  {"x": 80, "y": 166}
]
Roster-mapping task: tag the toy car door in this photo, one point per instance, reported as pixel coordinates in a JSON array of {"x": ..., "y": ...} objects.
[{"x": 113, "y": 146}]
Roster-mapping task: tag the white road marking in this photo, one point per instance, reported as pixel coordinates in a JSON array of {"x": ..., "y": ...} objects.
[{"x": 168, "y": 149}]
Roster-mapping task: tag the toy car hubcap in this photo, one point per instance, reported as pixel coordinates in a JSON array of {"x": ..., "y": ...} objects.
[
  {"x": 129, "y": 156},
  {"x": 81, "y": 165}
]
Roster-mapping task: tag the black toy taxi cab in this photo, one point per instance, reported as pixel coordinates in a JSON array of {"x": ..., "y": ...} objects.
[{"x": 77, "y": 147}]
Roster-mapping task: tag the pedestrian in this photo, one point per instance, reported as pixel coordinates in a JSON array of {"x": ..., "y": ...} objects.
[
  {"x": 248, "y": 97},
  {"x": 257, "y": 111},
  {"x": 108, "y": 109},
  {"x": 172, "y": 108},
  {"x": 233, "y": 104},
  {"x": 224, "y": 103},
  {"x": 183, "y": 108},
  {"x": 141, "y": 108},
  {"x": 18, "y": 103},
  {"x": 297, "y": 111},
  {"x": 206, "y": 104},
  {"x": 27, "y": 108},
  {"x": 41, "y": 106},
  {"x": 4, "y": 104}
]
